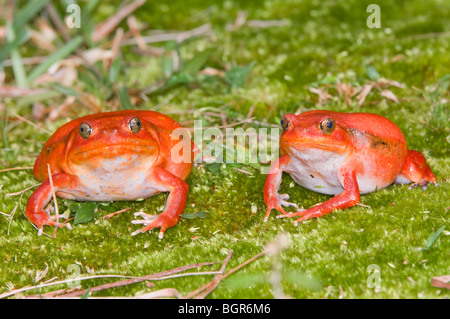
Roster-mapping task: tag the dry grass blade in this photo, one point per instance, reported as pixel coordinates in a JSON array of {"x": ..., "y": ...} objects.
[
  {"x": 267, "y": 23},
  {"x": 31, "y": 123},
  {"x": 105, "y": 28},
  {"x": 177, "y": 36},
  {"x": 132, "y": 24},
  {"x": 242, "y": 171},
  {"x": 54, "y": 196},
  {"x": 15, "y": 169},
  {"x": 22, "y": 191},
  {"x": 14, "y": 91},
  {"x": 361, "y": 97},
  {"x": 162, "y": 293}
]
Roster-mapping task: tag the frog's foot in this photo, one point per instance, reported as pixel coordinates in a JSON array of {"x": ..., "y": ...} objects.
[
  {"x": 153, "y": 221},
  {"x": 304, "y": 213},
  {"x": 422, "y": 184},
  {"x": 51, "y": 221},
  {"x": 299, "y": 212},
  {"x": 276, "y": 202},
  {"x": 41, "y": 218},
  {"x": 282, "y": 200}
]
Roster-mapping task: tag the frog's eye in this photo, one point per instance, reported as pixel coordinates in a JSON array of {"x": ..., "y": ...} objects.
[
  {"x": 327, "y": 126},
  {"x": 284, "y": 123},
  {"x": 85, "y": 130},
  {"x": 135, "y": 125}
]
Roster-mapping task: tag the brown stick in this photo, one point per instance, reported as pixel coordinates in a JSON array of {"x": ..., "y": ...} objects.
[
  {"x": 205, "y": 290},
  {"x": 138, "y": 279},
  {"x": 116, "y": 213}
]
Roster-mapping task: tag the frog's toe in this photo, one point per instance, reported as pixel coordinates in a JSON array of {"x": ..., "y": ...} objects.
[
  {"x": 148, "y": 228},
  {"x": 299, "y": 212},
  {"x": 151, "y": 222},
  {"x": 54, "y": 217},
  {"x": 53, "y": 223},
  {"x": 423, "y": 185},
  {"x": 147, "y": 218},
  {"x": 283, "y": 201}
]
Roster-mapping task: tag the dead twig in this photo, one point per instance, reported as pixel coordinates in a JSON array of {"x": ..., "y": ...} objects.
[
  {"x": 221, "y": 271},
  {"x": 17, "y": 291},
  {"x": 116, "y": 213},
  {"x": 134, "y": 280},
  {"x": 205, "y": 290},
  {"x": 13, "y": 91},
  {"x": 267, "y": 23}
]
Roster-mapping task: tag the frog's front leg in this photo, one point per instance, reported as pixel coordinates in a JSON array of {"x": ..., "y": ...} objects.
[
  {"x": 175, "y": 204},
  {"x": 348, "y": 198},
  {"x": 35, "y": 210},
  {"x": 272, "y": 199}
]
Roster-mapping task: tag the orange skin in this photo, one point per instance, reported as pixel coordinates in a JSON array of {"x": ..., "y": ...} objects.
[
  {"x": 342, "y": 154},
  {"x": 113, "y": 163}
]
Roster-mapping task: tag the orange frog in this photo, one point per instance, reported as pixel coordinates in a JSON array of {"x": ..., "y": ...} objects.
[
  {"x": 125, "y": 155},
  {"x": 343, "y": 154}
]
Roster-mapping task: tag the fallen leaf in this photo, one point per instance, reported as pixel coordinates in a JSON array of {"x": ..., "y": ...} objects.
[
  {"x": 364, "y": 93},
  {"x": 441, "y": 282},
  {"x": 324, "y": 96},
  {"x": 389, "y": 95}
]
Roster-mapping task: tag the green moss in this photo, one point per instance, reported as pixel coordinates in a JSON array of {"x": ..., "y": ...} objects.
[{"x": 321, "y": 37}]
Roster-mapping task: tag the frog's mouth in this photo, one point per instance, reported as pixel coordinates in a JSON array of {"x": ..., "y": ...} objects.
[
  {"x": 112, "y": 151},
  {"x": 302, "y": 145}
]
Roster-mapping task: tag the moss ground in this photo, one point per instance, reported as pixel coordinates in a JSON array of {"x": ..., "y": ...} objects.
[{"x": 327, "y": 257}]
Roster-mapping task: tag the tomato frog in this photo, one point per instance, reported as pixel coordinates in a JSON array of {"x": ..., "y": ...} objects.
[
  {"x": 124, "y": 155},
  {"x": 342, "y": 154}
]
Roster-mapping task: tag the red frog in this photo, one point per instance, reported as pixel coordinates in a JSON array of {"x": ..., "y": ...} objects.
[
  {"x": 125, "y": 155},
  {"x": 342, "y": 154}
]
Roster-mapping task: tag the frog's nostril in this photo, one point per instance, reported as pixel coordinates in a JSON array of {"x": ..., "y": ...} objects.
[{"x": 110, "y": 132}]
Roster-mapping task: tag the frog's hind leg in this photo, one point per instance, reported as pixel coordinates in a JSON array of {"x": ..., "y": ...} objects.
[{"x": 415, "y": 170}]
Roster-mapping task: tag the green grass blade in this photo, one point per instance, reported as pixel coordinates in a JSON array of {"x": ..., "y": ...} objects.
[
  {"x": 60, "y": 54},
  {"x": 16, "y": 59},
  {"x": 27, "y": 13},
  {"x": 6, "y": 49},
  {"x": 432, "y": 238},
  {"x": 124, "y": 98},
  {"x": 197, "y": 62}
]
